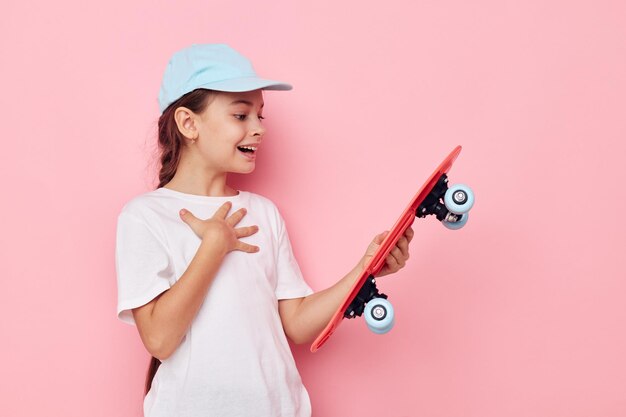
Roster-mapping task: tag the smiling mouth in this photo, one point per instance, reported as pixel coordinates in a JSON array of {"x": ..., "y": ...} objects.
[
  {"x": 247, "y": 149},
  {"x": 248, "y": 152}
]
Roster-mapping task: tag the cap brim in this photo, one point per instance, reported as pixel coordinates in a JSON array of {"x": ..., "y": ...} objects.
[{"x": 237, "y": 85}]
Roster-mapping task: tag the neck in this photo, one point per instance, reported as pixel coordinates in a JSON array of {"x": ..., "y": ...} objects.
[{"x": 199, "y": 180}]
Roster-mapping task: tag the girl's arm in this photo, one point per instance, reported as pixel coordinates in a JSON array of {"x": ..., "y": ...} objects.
[
  {"x": 304, "y": 318},
  {"x": 164, "y": 321}
]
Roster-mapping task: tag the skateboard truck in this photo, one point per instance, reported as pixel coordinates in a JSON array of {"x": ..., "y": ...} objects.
[
  {"x": 432, "y": 204},
  {"x": 367, "y": 293}
]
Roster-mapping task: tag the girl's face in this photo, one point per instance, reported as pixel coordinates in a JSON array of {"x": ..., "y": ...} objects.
[{"x": 230, "y": 131}]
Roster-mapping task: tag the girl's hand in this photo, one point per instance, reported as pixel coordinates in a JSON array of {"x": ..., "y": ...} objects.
[
  {"x": 220, "y": 230},
  {"x": 398, "y": 256}
]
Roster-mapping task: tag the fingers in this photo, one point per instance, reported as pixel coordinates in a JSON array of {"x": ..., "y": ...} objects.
[
  {"x": 392, "y": 263},
  {"x": 246, "y": 231},
  {"x": 396, "y": 258},
  {"x": 194, "y": 223},
  {"x": 236, "y": 217},
  {"x": 375, "y": 243},
  {"x": 188, "y": 217},
  {"x": 409, "y": 233},
  {"x": 200, "y": 226},
  {"x": 400, "y": 253},
  {"x": 403, "y": 246},
  {"x": 244, "y": 247},
  {"x": 378, "y": 239},
  {"x": 223, "y": 210}
]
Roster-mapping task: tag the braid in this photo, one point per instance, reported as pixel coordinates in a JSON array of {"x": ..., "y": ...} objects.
[{"x": 169, "y": 143}]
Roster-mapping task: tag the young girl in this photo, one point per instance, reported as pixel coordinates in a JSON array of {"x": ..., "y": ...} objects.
[{"x": 206, "y": 272}]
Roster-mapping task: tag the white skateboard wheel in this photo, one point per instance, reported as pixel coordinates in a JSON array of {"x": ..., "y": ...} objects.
[
  {"x": 459, "y": 199},
  {"x": 379, "y": 315}
]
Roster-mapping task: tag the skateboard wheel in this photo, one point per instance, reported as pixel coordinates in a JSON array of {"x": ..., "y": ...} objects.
[
  {"x": 379, "y": 315},
  {"x": 459, "y": 199},
  {"x": 458, "y": 224}
]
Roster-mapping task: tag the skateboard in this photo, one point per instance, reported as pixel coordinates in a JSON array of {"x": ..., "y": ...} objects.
[{"x": 449, "y": 204}]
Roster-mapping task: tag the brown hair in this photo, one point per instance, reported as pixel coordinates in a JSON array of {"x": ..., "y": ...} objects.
[{"x": 171, "y": 142}]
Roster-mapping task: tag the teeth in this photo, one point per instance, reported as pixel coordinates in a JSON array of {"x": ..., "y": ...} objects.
[{"x": 250, "y": 148}]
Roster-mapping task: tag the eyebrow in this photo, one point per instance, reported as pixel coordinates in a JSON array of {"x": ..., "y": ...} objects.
[{"x": 249, "y": 103}]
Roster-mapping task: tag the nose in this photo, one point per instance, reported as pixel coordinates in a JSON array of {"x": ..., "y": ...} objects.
[{"x": 258, "y": 130}]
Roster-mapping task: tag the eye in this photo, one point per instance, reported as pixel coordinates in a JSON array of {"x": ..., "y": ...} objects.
[{"x": 242, "y": 117}]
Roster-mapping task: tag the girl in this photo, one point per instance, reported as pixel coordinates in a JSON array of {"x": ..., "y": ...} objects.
[{"x": 206, "y": 272}]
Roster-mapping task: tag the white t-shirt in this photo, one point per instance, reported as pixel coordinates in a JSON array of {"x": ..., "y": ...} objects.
[{"x": 234, "y": 359}]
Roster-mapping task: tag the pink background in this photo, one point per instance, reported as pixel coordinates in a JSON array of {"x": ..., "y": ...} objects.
[{"x": 521, "y": 313}]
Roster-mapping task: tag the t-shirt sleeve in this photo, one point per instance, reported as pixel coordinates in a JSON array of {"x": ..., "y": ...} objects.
[
  {"x": 143, "y": 265},
  {"x": 290, "y": 283}
]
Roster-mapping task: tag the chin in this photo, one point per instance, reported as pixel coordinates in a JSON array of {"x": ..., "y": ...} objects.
[{"x": 246, "y": 170}]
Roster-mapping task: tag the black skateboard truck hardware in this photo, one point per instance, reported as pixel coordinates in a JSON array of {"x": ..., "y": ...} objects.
[
  {"x": 367, "y": 293},
  {"x": 433, "y": 203}
]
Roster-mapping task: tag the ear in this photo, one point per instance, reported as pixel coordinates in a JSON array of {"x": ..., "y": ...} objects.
[{"x": 186, "y": 122}]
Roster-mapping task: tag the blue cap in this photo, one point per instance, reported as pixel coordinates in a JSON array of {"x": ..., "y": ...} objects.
[{"x": 212, "y": 66}]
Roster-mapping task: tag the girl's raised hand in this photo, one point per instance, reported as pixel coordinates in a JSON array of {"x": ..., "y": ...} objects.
[
  {"x": 398, "y": 256},
  {"x": 220, "y": 229}
]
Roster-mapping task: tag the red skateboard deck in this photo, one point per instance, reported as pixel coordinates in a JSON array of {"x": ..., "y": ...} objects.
[{"x": 378, "y": 260}]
